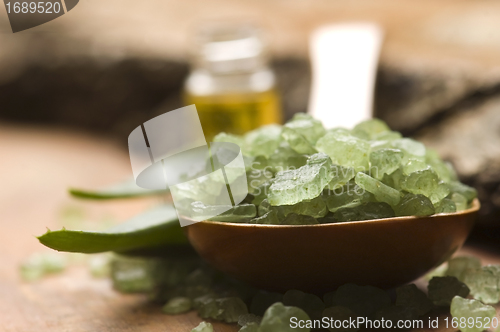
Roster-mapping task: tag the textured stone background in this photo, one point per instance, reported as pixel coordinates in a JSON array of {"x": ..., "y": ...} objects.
[{"x": 108, "y": 65}]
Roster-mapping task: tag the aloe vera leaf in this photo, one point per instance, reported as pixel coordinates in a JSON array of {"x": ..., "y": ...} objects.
[
  {"x": 154, "y": 228},
  {"x": 126, "y": 189}
]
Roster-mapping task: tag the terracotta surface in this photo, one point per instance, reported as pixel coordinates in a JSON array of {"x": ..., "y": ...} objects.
[{"x": 36, "y": 167}]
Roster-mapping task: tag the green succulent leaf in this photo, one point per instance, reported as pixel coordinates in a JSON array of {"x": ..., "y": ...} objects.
[
  {"x": 126, "y": 189},
  {"x": 158, "y": 227}
]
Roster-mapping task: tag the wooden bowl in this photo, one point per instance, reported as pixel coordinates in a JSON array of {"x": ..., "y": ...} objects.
[{"x": 319, "y": 258}]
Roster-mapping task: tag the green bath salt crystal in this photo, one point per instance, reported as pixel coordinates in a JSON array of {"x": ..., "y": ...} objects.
[
  {"x": 238, "y": 213},
  {"x": 345, "y": 150},
  {"x": 263, "y": 141},
  {"x": 460, "y": 201},
  {"x": 484, "y": 283},
  {"x": 257, "y": 178},
  {"x": 41, "y": 264},
  {"x": 348, "y": 196},
  {"x": 341, "y": 176},
  {"x": 131, "y": 275},
  {"x": 310, "y": 303},
  {"x": 315, "y": 208},
  {"x": 410, "y": 146},
  {"x": 422, "y": 182},
  {"x": 471, "y": 310},
  {"x": 368, "y": 211},
  {"x": 444, "y": 170},
  {"x": 446, "y": 206},
  {"x": 414, "y": 165},
  {"x": 257, "y": 163},
  {"x": 307, "y": 182},
  {"x": 468, "y": 192},
  {"x": 381, "y": 192},
  {"x": 394, "y": 180},
  {"x": 53, "y": 262},
  {"x": 297, "y": 219},
  {"x": 370, "y": 129},
  {"x": 269, "y": 218},
  {"x": 379, "y": 145},
  {"x": 297, "y": 142},
  {"x": 388, "y": 136},
  {"x": 285, "y": 158},
  {"x": 339, "y": 130},
  {"x": 232, "y": 214},
  {"x": 209, "y": 309},
  {"x": 441, "y": 290},
  {"x": 411, "y": 297},
  {"x": 203, "y": 327},
  {"x": 203, "y": 300},
  {"x": 145, "y": 275},
  {"x": 458, "y": 267},
  {"x": 440, "y": 192},
  {"x": 207, "y": 189},
  {"x": 414, "y": 205},
  {"x": 230, "y": 138},
  {"x": 260, "y": 193},
  {"x": 310, "y": 128},
  {"x": 277, "y": 318},
  {"x": 177, "y": 305},
  {"x": 384, "y": 161},
  {"x": 265, "y": 207},
  {"x": 230, "y": 309}
]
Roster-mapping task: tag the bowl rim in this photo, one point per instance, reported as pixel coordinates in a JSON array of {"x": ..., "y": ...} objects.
[{"x": 475, "y": 206}]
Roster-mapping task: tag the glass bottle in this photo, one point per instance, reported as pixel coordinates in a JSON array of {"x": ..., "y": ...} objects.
[{"x": 231, "y": 83}]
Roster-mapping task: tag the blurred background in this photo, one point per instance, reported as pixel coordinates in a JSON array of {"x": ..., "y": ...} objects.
[{"x": 98, "y": 71}]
